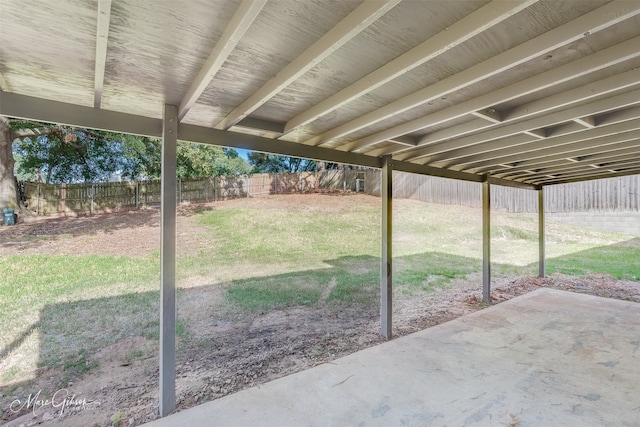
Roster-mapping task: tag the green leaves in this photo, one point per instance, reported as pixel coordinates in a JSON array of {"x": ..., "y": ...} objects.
[{"x": 63, "y": 154}]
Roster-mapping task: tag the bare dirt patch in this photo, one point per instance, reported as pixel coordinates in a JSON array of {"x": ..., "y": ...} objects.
[{"x": 223, "y": 355}]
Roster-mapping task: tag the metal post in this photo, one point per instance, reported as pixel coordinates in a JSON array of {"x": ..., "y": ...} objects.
[
  {"x": 168, "y": 262},
  {"x": 386, "y": 282},
  {"x": 486, "y": 240},
  {"x": 137, "y": 195},
  {"x": 541, "y": 237}
]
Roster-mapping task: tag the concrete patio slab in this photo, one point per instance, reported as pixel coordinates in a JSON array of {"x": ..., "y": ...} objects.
[{"x": 548, "y": 358}]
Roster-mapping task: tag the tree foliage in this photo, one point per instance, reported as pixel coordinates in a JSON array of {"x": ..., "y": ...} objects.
[
  {"x": 273, "y": 163},
  {"x": 63, "y": 154}
]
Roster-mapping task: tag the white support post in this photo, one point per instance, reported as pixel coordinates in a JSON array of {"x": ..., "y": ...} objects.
[
  {"x": 386, "y": 283},
  {"x": 486, "y": 240},
  {"x": 168, "y": 262},
  {"x": 541, "y": 237}
]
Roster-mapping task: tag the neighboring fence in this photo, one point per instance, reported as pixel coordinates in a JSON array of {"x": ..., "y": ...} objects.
[
  {"x": 611, "y": 194},
  {"x": 620, "y": 194},
  {"x": 45, "y": 199}
]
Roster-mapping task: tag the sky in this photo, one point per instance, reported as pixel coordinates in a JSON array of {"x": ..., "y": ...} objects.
[{"x": 243, "y": 153}]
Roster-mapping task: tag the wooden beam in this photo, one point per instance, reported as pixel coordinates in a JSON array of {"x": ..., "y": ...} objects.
[
  {"x": 167, "y": 357},
  {"x": 536, "y": 133},
  {"x": 588, "y": 121},
  {"x": 4, "y": 86},
  {"x": 31, "y": 108},
  {"x": 102, "y": 41},
  {"x": 559, "y": 146},
  {"x": 590, "y": 175},
  {"x": 386, "y": 258},
  {"x": 486, "y": 240},
  {"x": 454, "y": 35},
  {"x": 541, "y": 235},
  {"x": 599, "y": 60},
  {"x": 443, "y": 150},
  {"x": 489, "y": 114},
  {"x": 364, "y": 15},
  {"x": 579, "y": 94},
  {"x": 233, "y": 33}
]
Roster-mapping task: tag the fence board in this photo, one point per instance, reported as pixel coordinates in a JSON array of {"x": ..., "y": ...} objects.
[{"x": 610, "y": 194}]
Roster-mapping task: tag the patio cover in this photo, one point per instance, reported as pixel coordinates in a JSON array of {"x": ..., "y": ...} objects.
[{"x": 524, "y": 93}]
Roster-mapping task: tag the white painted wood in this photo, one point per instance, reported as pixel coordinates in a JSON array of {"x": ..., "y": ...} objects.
[
  {"x": 102, "y": 40},
  {"x": 588, "y": 122},
  {"x": 367, "y": 13},
  {"x": 500, "y": 151},
  {"x": 466, "y": 28},
  {"x": 486, "y": 240},
  {"x": 599, "y": 60},
  {"x": 518, "y": 144},
  {"x": 599, "y": 19},
  {"x": 168, "y": 209},
  {"x": 3, "y": 84},
  {"x": 490, "y": 114},
  {"x": 587, "y": 175},
  {"x": 541, "y": 235},
  {"x": 43, "y": 110},
  {"x": 238, "y": 25},
  {"x": 596, "y": 107},
  {"x": 611, "y": 163},
  {"x": 386, "y": 253},
  {"x": 536, "y": 133},
  {"x": 538, "y": 158}
]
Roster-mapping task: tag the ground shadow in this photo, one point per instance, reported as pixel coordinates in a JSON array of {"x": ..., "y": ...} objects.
[{"x": 348, "y": 288}]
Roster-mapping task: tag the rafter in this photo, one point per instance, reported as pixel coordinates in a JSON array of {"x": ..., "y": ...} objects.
[
  {"x": 490, "y": 114},
  {"x": 603, "y": 17},
  {"x": 3, "y": 84},
  {"x": 547, "y": 152},
  {"x": 599, "y": 60},
  {"x": 508, "y": 150},
  {"x": 588, "y": 122},
  {"x": 437, "y": 152},
  {"x": 238, "y": 25},
  {"x": 586, "y": 175},
  {"x": 606, "y": 163},
  {"x": 102, "y": 41},
  {"x": 363, "y": 16},
  {"x": 625, "y": 148},
  {"x": 466, "y": 28}
]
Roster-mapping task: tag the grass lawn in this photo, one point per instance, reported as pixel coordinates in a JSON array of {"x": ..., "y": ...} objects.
[{"x": 265, "y": 253}]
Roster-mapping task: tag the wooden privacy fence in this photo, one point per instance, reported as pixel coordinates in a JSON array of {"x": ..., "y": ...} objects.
[
  {"x": 610, "y": 194},
  {"x": 45, "y": 199}
]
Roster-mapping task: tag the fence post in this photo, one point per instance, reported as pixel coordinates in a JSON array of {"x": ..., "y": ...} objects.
[
  {"x": 247, "y": 178},
  {"x": 179, "y": 191},
  {"x": 38, "y": 200},
  {"x": 344, "y": 181},
  {"x": 215, "y": 188},
  {"x": 63, "y": 197},
  {"x": 91, "y": 207},
  {"x": 137, "y": 195}
]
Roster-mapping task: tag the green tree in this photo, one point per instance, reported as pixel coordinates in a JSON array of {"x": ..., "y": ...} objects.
[
  {"x": 193, "y": 160},
  {"x": 273, "y": 163},
  {"x": 55, "y": 153}
]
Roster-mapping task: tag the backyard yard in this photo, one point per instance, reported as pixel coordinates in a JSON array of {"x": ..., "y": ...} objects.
[{"x": 267, "y": 286}]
